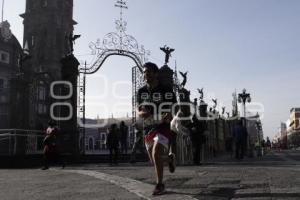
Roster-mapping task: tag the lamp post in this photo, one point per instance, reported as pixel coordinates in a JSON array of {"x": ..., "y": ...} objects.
[{"x": 243, "y": 98}]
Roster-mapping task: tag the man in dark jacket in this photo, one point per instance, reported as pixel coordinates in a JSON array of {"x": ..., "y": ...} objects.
[
  {"x": 240, "y": 136},
  {"x": 113, "y": 144},
  {"x": 123, "y": 137}
]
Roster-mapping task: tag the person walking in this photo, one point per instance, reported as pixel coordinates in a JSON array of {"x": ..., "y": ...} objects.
[
  {"x": 268, "y": 145},
  {"x": 123, "y": 137},
  {"x": 113, "y": 144},
  {"x": 50, "y": 150},
  {"x": 240, "y": 137},
  {"x": 152, "y": 99}
]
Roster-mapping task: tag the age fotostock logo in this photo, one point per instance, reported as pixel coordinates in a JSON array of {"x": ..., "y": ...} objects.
[
  {"x": 120, "y": 102},
  {"x": 61, "y": 97}
]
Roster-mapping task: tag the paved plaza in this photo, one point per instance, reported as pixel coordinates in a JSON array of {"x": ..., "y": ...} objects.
[{"x": 275, "y": 176}]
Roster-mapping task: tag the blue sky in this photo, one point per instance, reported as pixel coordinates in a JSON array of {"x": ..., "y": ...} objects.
[{"x": 223, "y": 44}]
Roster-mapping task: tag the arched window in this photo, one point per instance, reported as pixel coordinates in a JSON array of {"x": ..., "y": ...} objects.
[{"x": 4, "y": 57}]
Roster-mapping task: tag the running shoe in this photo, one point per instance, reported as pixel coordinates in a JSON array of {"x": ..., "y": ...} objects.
[
  {"x": 172, "y": 162},
  {"x": 159, "y": 189}
]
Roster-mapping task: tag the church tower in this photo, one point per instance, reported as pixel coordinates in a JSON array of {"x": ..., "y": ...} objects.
[
  {"x": 47, "y": 26},
  {"x": 48, "y": 57}
]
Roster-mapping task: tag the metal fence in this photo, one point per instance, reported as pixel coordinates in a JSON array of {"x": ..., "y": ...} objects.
[{"x": 20, "y": 142}]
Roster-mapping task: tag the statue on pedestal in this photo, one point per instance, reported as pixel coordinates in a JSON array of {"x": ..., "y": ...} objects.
[
  {"x": 167, "y": 51},
  {"x": 215, "y": 103},
  {"x": 223, "y": 110},
  {"x": 184, "y": 78},
  {"x": 201, "y": 94},
  {"x": 72, "y": 39}
]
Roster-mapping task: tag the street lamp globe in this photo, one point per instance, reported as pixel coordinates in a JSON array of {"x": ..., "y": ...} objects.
[
  {"x": 249, "y": 99},
  {"x": 239, "y": 99}
]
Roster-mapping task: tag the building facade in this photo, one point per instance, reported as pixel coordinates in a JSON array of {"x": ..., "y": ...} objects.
[
  {"x": 48, "y": 26},
  {"x": 10, "y": 52},
  {"x": 293, "y": 130},
  {"x": 95, "y": 137},
  {"x": 283, "y": 135}
]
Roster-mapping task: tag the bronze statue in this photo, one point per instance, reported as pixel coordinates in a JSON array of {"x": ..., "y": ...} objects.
[
  {"x": 201, "y": 93},
  {"x": 184, "y": 78},
  {"x": 167, "y": 51},
  {"x": 223, "y": 110},
  {"x": 215, "y": 102},
  {"x": 227, "y": 114},
  {"x": 195, "y": 101}
]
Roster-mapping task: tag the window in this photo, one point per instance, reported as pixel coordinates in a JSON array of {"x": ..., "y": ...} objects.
[
  {"x": 7, "y": 83},
  {"x": 32, "y": 40},
  {"x": 42, "y": 108},
  {"x": 41, "y": 93},
  {"x": 3, "y": 99},
  {"x": 60, "y": 5},
  {"x": 3, "y": 110},
  {"x": 44, "y": 3},
  {"x": 4, "y": 57}
]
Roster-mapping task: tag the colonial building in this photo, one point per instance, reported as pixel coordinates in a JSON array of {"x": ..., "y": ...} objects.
[
  {"x": 95, "y": 137},
  {"x": 283, "y": 134},
  {"x": 255, "y": 132},
  {"x": 48, "y": 25},
  {"x": 10, "y": 52},
  {"x": 41, "y": 79},
  {"x": 293, "y": 129}
]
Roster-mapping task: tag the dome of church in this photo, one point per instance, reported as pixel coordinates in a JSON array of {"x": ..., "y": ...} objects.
[{"x": 6, "y": 35}]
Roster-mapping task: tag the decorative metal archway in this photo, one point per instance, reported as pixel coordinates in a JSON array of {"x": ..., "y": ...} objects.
[{"x": 114, "y": 43}]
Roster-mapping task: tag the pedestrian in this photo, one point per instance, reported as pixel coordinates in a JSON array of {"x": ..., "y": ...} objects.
[
  {"x": 263, "y": 146},
  {"x": 113, "y": 144},
  {"x": 138, "y": 142},
  {"x": 240, "y": 137},
  {"x": 198, "y": 139},
  {"x": 50, "y": 150},
  {"x": 123, "y": 137},
  {"x": 229, "y": 146},
  {"x": 152, "y": 99},
  {"x": 258, "y": 149},
  {"x": 268, "y": 144},
  {"x": 280, "y": 146}
]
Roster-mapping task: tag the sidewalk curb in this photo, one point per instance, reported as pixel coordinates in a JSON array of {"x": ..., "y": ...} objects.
[{"x": 141, "y": 189}]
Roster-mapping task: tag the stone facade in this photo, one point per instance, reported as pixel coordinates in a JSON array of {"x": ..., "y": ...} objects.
[
  {"x": 48, "y": 25},
  {"x": 10, "y": 51}
]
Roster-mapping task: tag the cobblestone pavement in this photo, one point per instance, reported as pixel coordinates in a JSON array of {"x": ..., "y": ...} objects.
[{"x": 275, "y": 176}]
